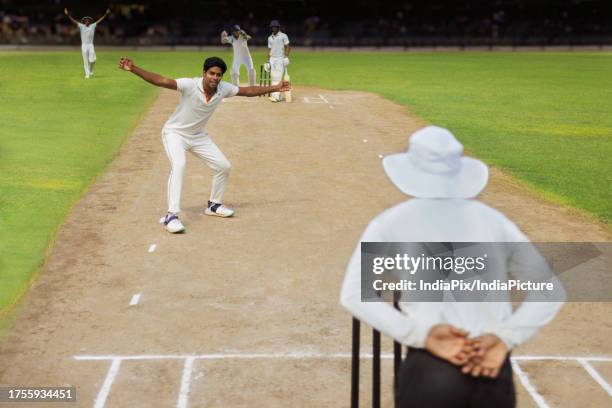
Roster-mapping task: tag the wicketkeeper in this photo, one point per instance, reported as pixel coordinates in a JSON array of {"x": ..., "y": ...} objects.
[{"x": 242, "y": 56}]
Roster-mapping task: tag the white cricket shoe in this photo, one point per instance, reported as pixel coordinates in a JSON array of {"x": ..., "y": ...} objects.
[
  {"x": 172, "y": 223},
  {"x": 273, "y": 99},
  {"x": 218, "y": 210}
]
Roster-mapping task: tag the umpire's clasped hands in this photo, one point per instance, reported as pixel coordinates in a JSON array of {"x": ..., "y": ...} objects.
[{"x": 478, "y": 356}]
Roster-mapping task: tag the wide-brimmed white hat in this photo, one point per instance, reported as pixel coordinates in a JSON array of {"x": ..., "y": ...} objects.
[{"x": 434, "y": 167}]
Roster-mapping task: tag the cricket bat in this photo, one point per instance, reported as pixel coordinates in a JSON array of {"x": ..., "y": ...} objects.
[{"x": 286, "y": 77}]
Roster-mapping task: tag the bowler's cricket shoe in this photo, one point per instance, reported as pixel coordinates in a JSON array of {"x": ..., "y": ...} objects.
[
  {"x": 172, "y": 223},
  {"x": 218, "y": 210}
]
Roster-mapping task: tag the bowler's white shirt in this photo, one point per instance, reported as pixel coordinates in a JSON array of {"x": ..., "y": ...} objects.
[
  {"x": 240, "y": 46},
  {"x": 276, "y": 44},
  {"x": 87, "y": 33},
  {"x": 193, "y": 111},
  {"x": 445, "y": 220}
]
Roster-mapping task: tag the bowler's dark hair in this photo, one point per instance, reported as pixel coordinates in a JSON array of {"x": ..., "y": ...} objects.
[{"x": 215, "y": 62}]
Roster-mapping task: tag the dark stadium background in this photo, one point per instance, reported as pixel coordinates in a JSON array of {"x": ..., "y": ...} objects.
[{"x": 317, "y": 23}]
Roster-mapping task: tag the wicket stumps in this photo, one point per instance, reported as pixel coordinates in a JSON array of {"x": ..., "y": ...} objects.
[
  {"x": 355, "y": 354},
  {"x": 264, "y": 77}
]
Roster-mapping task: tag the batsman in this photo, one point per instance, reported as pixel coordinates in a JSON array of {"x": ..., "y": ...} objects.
[
  {"x": 278, "y": 56},
  {"x": 185, "y": 130}
]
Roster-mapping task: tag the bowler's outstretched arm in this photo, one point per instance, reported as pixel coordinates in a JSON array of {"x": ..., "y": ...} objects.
[
  {"x": 282, "y": 86},
  {"x": 127, "y": 64}
]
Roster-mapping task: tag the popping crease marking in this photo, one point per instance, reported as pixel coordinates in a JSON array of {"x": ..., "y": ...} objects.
[{"x": 190, "y": 359}]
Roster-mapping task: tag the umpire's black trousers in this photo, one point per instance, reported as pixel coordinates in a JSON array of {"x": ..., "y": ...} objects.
[{"x": 426, "y": 381}]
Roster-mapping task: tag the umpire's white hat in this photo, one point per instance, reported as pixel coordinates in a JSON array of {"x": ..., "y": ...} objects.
[{"x": 434, "y": 167}]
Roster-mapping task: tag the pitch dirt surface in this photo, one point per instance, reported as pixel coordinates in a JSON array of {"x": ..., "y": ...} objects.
[{"x": 244, "y": 312}]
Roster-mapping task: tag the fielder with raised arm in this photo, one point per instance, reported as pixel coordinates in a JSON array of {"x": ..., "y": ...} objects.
[
  {"x": 278, "y": 55},
  {"x": 185, "y": 130},
  {"x": 242, "y": 56},
  {"x": 87, "y": 27}
]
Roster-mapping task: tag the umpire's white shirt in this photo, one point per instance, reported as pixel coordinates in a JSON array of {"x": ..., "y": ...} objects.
[
  {"x": 276, "y": 44},
  {"x": 444, "y": 220},
  {"x": 193, "y": 111},
  {"x": 87, "y": 33}
]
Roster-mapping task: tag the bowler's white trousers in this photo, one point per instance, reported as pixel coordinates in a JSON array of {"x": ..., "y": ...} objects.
[{"x": 203, "y": 147}]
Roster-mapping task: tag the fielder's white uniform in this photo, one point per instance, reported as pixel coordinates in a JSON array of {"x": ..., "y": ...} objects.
[
  {"x": 276, "y": 44},
  {"x": 87, "y": 47},
  {"x": 242, "y": 56},
  {"x": 184, "y": 131}
]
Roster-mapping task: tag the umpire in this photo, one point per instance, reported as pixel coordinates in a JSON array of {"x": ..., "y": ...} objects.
[{"x": 458, "y": 351}]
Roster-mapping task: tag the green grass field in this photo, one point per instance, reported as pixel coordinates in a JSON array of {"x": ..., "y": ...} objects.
[{"x": 543, "y": 117}]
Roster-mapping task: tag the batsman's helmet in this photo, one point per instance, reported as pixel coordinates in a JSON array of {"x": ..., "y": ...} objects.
[
  {"x": 274, "y": 23},
  {"x": 236, "y": 27}
]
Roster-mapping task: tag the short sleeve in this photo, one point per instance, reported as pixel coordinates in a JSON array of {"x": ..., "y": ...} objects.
[
  {"x": 80, "y": 25},
  {"x": 230, "y": 39},
  {"x": 93, "y": 25},
  {"x": 228, "y": 90},
  {"x": 183, "y": 84},
  {"x": 269, "y": 42},
  {"x": 286, "y": 40}
]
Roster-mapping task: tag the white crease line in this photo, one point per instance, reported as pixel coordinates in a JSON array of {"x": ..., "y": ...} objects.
[
  {"x": 318, "y": 101},
  {"x": 331, "y": 106},
  {"x": 108, "y": 383},
  {"x": 135, "y": 299},
  {"x": 323, "y": 98},
  {"x": 228, "y": 356},
  {"x": 185, "y": 383},
  {"x": 218, "y": 356},
  {"x": 537, "y": 398},
  {"x": 562, "y": 358},
  {"x": 152, "y": 247},
  {"x": 596, "y": 376}
]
